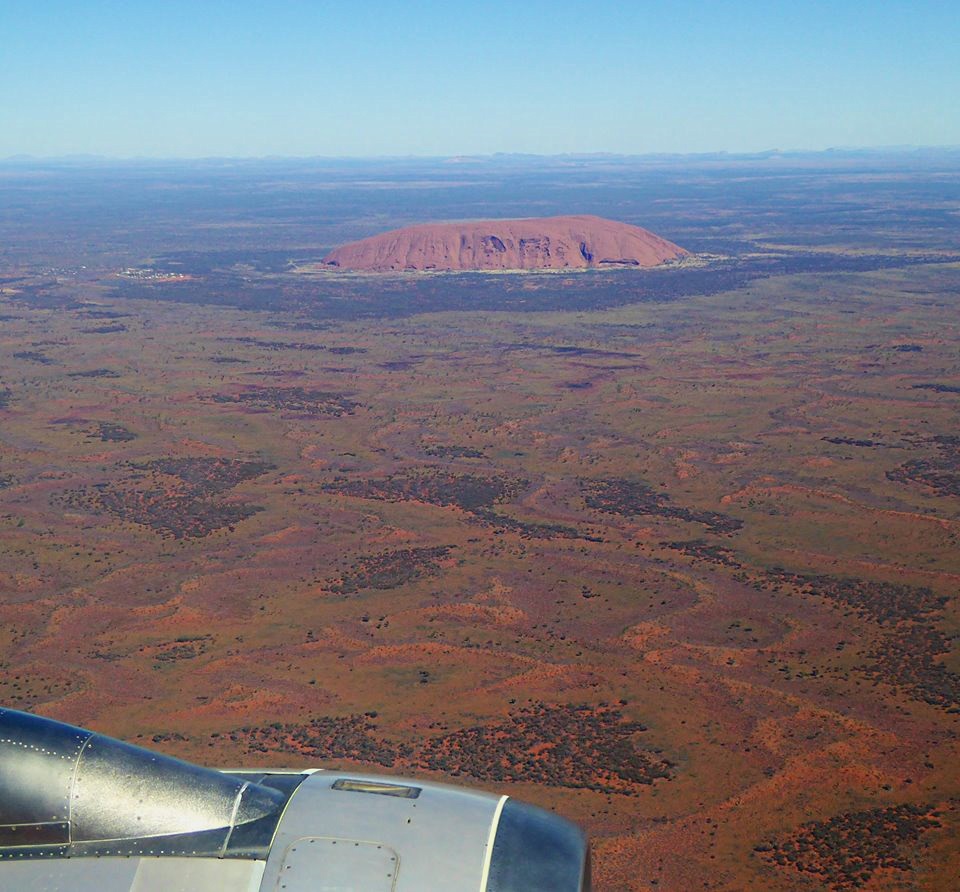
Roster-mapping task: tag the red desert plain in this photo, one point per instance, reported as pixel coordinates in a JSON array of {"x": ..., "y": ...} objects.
[{"x": 674, "y": 551}]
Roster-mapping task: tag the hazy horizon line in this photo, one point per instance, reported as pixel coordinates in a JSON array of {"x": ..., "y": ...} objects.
[{"x": 23, "y": 157}]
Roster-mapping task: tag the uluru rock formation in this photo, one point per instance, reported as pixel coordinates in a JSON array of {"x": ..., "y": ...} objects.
[{"x": 572, "y": 242}]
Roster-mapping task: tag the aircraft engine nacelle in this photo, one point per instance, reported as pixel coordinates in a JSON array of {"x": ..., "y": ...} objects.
[{"x": 80, "y": 811}]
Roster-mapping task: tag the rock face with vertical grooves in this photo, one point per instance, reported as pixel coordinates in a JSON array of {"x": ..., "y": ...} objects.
[{"x": 573, "y": 242}]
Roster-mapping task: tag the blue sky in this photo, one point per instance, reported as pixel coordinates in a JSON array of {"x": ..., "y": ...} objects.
[{"x": 290, "y": 77}]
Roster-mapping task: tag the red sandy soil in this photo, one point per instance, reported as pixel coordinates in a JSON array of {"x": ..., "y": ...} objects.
[{"x": 572, "y": 242}]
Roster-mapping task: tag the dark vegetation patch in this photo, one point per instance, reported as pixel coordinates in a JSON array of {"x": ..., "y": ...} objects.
[
  {"x": 911, "y": 658},
  {"x": 208, "y": 475},
  {"x": 5, "y": 396},
  {"x": 850, "y": 441},
  {"x": 109, "y": 432},
  {"x": 478, "y": 495},
  {"x": 274, "y": 345},
  {"x": 95, "y": 373},
  {"x": 529, "y": 530},
  {"x": 704, "y": 551},
  {"x": 938, "y": 388},
  {"x": 180, "y": 652},
  {"x": 186, "y": 647},
  {"x": 302, "y": 400},
  {"x": 169, "y": 737},
  {"x": 630, "y": 497},
  {"x": 399, "y": 365},
  {"x": 469, "y": 492},
  {"x": 910, "y": 651},
  {"x": 33, "y": 356},
  {"x": 346, "y": 298},
  {"x": 583, "y": 747},
  {"x": 46, "y": 296},
  {"x": 328, "y": 737},
  {"x": 107, "y": 656},
  {"x": 103, "y": 329},
  {"x": 399, "y": 296},
  {"x": 908, "y": 348},
  {"x": 27, "y": 689},
  {"x": 883, "y": 602},
  {"x": 440, "y": 450},
  {"x": 7, "y": 480},
  {"x": 225, "y": 360},
  {"x": 941, "y": 474},
  {"x": 388, "y": 570},
  {"x": 846, "y": 850},
  {"x": 578, "y": 747},
  {"x": 942, "y": 478},
  {"x": 310, "y": 326},
  {"x": 288, "y": 345},
  {"x": 169, "y": 513},
  {"x": 106, "y": 314},
  {"x": 172, "y": 496},
  {"x": 567, "y": 350}
]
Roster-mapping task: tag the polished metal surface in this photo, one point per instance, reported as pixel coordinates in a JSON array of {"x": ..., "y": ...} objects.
[
  {"x": 37, "y": 763},
  {"x": 64, "y": 790},
  {"x": 535, "y": 851}
]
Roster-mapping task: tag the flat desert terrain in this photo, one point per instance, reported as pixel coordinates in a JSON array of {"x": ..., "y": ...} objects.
[{"x": 673, "y": 552}]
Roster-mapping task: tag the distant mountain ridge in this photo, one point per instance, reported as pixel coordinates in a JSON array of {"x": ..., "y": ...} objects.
[{"x": 568, "y": 242}]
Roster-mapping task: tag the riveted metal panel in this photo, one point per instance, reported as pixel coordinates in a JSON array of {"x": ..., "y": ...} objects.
[
  {"x": 122, "y": 791},
  {"x": 441, "y": 837},
  {"x": 48, "y": 833},
  {"x": 323, "y": 864},
  {"x": 65, "y": 791},
  {"x": 37, "y": 762}
]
